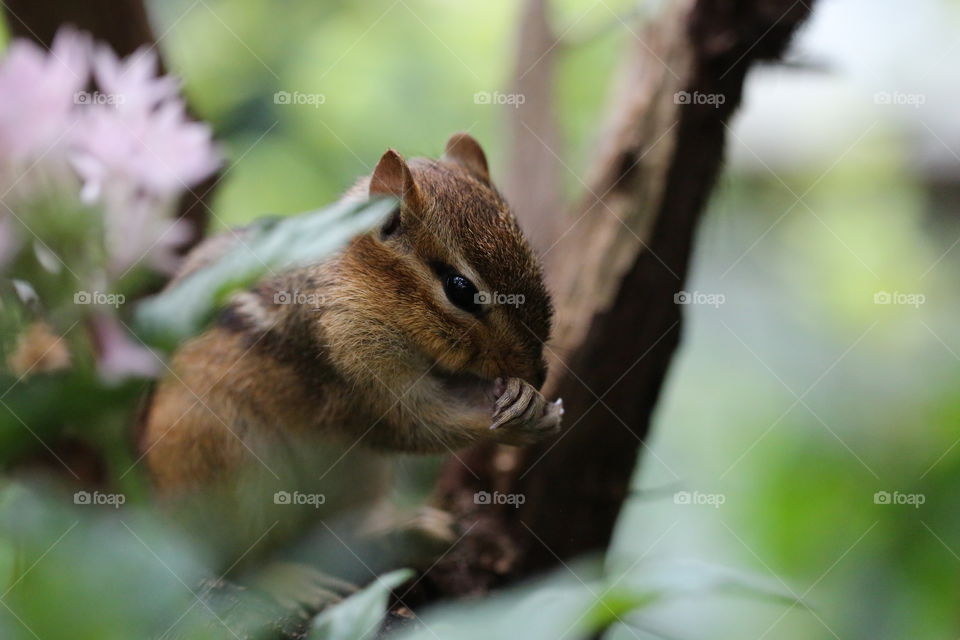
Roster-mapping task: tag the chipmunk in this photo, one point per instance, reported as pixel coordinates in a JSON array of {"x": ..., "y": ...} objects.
[{"x": 395, "y": 344}]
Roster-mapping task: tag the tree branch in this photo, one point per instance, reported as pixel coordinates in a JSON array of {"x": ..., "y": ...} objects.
[
  {"x": 624, "y": 256},
  {"x": 533, "y": 184}
]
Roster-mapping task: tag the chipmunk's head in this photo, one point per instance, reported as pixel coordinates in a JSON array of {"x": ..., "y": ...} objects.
[{"x": 449, "y": 272}]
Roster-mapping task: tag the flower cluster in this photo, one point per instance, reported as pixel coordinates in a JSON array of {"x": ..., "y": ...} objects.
[
  {"x": 128, "y": 146},
  {"x": 95, "y": 154}
]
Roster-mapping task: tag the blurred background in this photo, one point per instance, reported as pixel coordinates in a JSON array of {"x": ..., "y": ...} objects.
[{"x": 808, "y": 432}]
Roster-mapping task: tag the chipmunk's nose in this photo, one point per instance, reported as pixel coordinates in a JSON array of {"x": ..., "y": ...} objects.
[{"x": 533, "y": 370}]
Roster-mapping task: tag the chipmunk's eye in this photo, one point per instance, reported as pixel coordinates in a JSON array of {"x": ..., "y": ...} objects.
[{"x": 461, "y": 292}]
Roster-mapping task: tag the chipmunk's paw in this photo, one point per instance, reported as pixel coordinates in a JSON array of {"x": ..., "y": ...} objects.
[
  {"x": 426, "y": 535},
  {"x": 301, "y": 589},
  {"x": 411, "y": 539},
  {"x": 432, "y": 524},
  {"x": 521, "y": 415}
]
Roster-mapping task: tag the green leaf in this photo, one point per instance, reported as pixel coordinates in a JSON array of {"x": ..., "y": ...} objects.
[
  {"x": 358, "y": 617},
  {"x": 578, "y": 602},
  {"x": 678, "y": 578},
  {"x": 92, "y": 571},
  {"x": 614, "y": 603},
  {"x": 566, "y": 604},
  {"x": 272, "y": 245}
]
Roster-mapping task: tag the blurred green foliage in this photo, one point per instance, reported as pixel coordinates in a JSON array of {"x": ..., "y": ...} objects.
[
  {"x": 401, "y": 75},
  {"x": 877, "y": 411}
]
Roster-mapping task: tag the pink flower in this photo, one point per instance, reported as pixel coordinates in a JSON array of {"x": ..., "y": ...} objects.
[
  {"x": 136, "y": 153},
  {"x": 141, "y": 135},
  {"x": 130, "y": 143},
  {"x": 128, "y": 151},
  {"x": 133, "y": 83},
  {"x": 119, "y": 357},
  {"x": 39, "y": 105},
  {"x": 136, "y": 233}
]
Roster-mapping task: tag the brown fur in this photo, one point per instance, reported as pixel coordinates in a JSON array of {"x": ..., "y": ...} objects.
[{"x": 376, "y": 356}]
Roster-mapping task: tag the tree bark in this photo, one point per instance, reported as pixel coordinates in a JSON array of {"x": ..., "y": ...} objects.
[
  {"x": 533, "y": 183},
  {"x": 122, "y": 23},
  {"x": 623, "y": 257}
]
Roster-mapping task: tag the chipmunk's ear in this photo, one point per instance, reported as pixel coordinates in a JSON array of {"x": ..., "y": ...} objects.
[
  {"x": 392, "y": 177},
  {"x": 467, "y": 152}
]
